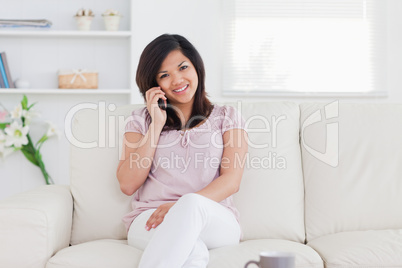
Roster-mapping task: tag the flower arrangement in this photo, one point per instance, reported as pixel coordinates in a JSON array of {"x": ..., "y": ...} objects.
[
  {"x": 84, "y": 13},
  {"x": 111, "y": 19},
  {"x": 14, "y": 135},
  {"x": 111, "y": 12},
  {"x": 84, "y": 18}
]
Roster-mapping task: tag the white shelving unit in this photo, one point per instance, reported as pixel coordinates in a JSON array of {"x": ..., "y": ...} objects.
[
  {"x": 91, "y": 36},
  {"x": 36, "y": 54}
]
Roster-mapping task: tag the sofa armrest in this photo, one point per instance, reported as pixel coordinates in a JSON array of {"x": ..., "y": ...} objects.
[{"x": 35, "y": 225}]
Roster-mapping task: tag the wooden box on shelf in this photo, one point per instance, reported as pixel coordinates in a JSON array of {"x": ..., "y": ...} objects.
[{"x": 78, "y": 79}]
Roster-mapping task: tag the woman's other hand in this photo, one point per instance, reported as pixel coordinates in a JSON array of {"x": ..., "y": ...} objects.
[
  {"x": 157, "y": 114},
  {"x": 158, "y": 216}
]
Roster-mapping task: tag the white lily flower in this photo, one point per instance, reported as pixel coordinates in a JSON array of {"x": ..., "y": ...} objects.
[
  {"x": 17, "y": 113},
  {"x": 52, "y": 130},
  {"x": 16, "y": 135},
  {"x": 28, "y": 115}
]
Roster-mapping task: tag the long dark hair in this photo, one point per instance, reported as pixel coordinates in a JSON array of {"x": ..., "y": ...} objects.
[{"x": 150, "y": 62}]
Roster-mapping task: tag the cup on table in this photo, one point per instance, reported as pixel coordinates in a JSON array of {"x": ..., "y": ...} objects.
[{"x": 274, "y": 259}]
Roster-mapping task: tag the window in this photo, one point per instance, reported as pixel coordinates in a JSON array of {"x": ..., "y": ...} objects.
[{"x": 303, "y": 46}]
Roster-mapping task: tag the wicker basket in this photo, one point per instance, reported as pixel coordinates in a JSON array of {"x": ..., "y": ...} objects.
[{"x": 78, "y": 79}]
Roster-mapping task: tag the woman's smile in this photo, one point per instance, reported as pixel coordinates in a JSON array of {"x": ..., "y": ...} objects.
[{"x": 181, "y": 90}]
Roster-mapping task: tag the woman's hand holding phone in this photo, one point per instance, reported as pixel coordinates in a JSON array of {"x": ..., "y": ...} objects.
[
  {"x": 162, "y": 104},
  {"x": 153, "y": 96}
]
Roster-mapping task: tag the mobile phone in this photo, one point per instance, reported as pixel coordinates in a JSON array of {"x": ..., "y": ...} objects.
[{"x": 162, "y": 104}]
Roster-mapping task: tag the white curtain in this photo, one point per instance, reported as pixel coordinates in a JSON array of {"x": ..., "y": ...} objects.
[{"x": 304, "y": 46}]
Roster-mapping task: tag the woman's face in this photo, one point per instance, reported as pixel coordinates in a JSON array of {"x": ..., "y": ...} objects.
[{"x": 178, "y": 78}]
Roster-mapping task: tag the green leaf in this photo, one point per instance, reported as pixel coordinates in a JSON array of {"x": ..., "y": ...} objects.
[
  {"x": 3, "y": 125},
  {"x": 42, "y": 167},
  {"x": 30, "y": 157},
  {"x": 28, "y": 148},
  {"x": 24, "y": 102},
  {"x": 41, "y": 141},
  {"x": 38, "y": 156},
  {"x": 30, "y": 106}
]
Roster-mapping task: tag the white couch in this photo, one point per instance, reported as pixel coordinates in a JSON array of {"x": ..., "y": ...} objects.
[{"x": 327, "y": 186}]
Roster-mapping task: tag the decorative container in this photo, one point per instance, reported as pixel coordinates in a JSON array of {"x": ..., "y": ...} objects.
[
  {"x": 78, "y": 79},
  {"x": 111, "y": 19},
  {"x": 84, "y": 19},
  {"x": 84, "y": 23}
]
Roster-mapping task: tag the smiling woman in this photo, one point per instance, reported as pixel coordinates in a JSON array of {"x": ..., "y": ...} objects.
[
  {"x": 176, "y": 198},
  {"x": 171, "y": 62}
]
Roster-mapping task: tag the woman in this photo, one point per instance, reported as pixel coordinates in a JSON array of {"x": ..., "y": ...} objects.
[{"x": 182, "y": 163}]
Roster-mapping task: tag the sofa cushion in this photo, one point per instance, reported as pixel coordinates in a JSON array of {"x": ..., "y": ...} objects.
[
  {"x": 352, "y": 167},
  {"x": 97, "y": 254},
  {"x": 99, "y": 204},
  {"x": 379, "y": 248},
  {"x": 238, "y": 256},
  {"x": 271, "y": 195},
  {"x": 116, "y": 253}
]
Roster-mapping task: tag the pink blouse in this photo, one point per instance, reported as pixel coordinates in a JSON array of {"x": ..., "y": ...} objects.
[{"x": 184, "y": 161}]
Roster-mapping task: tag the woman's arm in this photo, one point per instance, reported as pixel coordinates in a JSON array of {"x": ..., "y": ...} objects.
[
  {"x": 231, "y": 170},
  {"x": 139, "y": 150},
  {"x": 137, "y": 156}
]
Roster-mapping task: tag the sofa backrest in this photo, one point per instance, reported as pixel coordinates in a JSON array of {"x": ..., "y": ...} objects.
[
  {"x": 271, "y": 196},
  {"x": 99, "y": 205},
  {"x": 270, "y": 199},
  {"x": 352, "y": 167}
]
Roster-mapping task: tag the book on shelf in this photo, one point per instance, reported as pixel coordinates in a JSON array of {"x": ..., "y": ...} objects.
[
  {"x": 5, "y": 71},
  {"x": 2, "y": 85},
  {"x": 3, "y": 74},
  {"x": 25, "y": 23}
]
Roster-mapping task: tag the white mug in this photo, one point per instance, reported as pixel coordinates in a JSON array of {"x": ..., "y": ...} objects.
[{"x": 274, "y": 259}]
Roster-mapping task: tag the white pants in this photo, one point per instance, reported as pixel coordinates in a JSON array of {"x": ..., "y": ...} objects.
[{"x": 191, "y": 227}]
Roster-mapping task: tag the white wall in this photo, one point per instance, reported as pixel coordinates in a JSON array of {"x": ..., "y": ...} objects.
[
  {"x": 200, "y": 22},
  {"x": 394, "y": 52}
]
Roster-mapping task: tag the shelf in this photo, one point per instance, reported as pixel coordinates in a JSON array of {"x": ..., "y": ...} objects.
[
  {"x": 54, "y": 33},
  {"x": 64, "y": 91}
]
